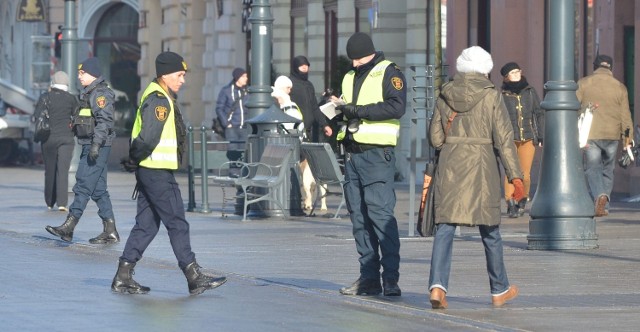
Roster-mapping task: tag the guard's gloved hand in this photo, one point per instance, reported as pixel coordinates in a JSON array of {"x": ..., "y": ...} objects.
[
  {"x": 518, "y": 193},
  {"x": 128, "y": 164},
  {"x": 94, "y": 152},
  {"x": 350, "y": 111}
]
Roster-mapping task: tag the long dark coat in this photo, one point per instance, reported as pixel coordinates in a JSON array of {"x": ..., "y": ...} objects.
[{"x": 467, "y": 185}]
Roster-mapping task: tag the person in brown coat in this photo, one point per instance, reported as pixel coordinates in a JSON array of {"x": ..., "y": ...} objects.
[
  {"x": 471, "y": 129},
  {"x": 610, "y": 121}
]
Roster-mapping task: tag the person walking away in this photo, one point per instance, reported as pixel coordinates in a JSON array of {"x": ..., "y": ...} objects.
[
  {"x": 95, "y": 134},
  {"x": 158, "y": 140},
  {"x": 375, "y": 94},
  {"x": 57, "y": 150},
  {"x": 232, "y": 113},
  {"x": 610, "y": 121},
  {"x": 303, "y": 93},
  {"x": 472, "y": 131},
  {"x": 527, "y": 120}
]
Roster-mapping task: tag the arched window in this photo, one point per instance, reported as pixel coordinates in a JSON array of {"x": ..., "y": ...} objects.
[{"x": 116, "y": 43}]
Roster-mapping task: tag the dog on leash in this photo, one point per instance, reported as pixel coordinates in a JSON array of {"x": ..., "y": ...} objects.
[{"x": 309, "y": 187}]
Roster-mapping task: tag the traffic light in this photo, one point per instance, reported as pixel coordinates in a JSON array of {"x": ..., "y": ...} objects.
[{"x": 58, "y": 45}]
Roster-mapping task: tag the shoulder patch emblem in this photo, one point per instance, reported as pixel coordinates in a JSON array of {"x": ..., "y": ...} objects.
[
  {"x": 161, "y": 113},
  {"x": 101, "y": 101},
  {"x": 397, "y": 83}
]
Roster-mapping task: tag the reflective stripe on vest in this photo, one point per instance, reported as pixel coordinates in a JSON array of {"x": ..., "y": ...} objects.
[
  {"x": 85, "y": 112},
  {"x": 165, "y": 154},
  {"x": 370, "y": 132}
]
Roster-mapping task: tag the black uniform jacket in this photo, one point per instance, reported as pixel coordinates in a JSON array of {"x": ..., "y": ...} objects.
[{"x": 101, "y": 99}]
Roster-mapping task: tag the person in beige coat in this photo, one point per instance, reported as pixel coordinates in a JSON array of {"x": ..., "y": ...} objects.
[
  {"x": 471, "y": 129},
  {"x": 611, "y": 119}
]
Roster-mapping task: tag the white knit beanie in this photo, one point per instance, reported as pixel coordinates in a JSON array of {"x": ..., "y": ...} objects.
[{"x": 474, "y": 60}]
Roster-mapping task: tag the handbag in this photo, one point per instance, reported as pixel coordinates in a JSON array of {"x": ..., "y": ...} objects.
[
  {"x": 43, "y": 129},
  {"x": 218, "y": 128},
  {"x": 584, "y": 124},
  {"x": 426, "y": 221},
  {"x": 42, "y": 126},
  {"x": 426, "y": 214}
]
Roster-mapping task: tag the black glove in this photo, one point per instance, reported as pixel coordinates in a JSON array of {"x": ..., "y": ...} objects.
[
  {"x": 350, "y": 111},
  {"x": 128, "y": 164},
  {"x": 94, "y": 152}
]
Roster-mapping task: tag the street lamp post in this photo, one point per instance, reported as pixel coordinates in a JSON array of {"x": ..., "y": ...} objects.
[
  {"x": 562, "y": 212},
  {"x": 69, "y": 63},
  {"x": 70, "y": 43},
  {"x": 261, "y": 37}
]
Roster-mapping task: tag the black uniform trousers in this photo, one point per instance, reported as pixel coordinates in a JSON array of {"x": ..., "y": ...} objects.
[{"x": 159, "y": 199}]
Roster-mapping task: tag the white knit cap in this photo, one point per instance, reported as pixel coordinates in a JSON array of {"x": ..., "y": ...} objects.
[
  {"x": 474, "y": 60},
  {"x": 282, "y": 82}
]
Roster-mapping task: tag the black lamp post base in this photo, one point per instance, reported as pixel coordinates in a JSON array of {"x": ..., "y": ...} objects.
[{"x": 562, "y": 234}]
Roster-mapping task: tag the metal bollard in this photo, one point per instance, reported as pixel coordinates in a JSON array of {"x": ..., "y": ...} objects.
[
  {"x": 191, "y": 205},
  {"x": 204, "y": 169}
]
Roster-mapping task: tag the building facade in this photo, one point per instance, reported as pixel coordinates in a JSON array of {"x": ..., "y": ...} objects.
[{"x": 214, "y": 38}]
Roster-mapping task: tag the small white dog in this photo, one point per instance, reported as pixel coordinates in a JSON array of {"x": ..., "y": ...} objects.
[{"x": 309, "y": 187}]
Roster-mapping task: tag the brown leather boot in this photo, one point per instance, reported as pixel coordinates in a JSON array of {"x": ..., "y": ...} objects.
[
  {"x": 438, "y": 298},
  {"x": 500, "y": 300}
]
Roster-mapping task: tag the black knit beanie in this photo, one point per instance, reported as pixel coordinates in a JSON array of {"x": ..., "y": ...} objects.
[
  {"x": 169, "y": 62},
  {"x": 359, "y": 46},
  {"x": 237, "y": 73},
  {"x": 504, "y": 71},
  {"x": 91, "y": 66}
]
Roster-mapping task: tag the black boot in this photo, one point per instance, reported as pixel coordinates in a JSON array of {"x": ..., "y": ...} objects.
[
  {"x": 200, "y": 282},
  {"x": 109, "y": 234},
  {"x": 521, "y": 205},
  {"x": 512, "y": 208},
  {"x": 363, "y": 286},
  {"x": 64, "y": 231},
  {"x": 123, "y": 281}
]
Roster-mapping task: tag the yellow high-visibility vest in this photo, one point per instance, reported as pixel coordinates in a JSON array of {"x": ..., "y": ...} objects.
[
  {"x": 165, "y": 154},
  {"x": 383, "y": 132}
]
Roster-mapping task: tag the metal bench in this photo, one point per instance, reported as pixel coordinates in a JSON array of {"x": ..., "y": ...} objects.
[
  {"x": 259, "y": 181},
  {"x": 325, "y": 169}
]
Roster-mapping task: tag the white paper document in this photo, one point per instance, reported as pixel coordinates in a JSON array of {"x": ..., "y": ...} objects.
[{"x": 329, "y": 109}]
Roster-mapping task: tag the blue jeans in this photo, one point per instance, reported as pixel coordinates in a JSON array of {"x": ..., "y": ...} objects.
[
  {"x": 442, "y": 252},
  {"x": 371, "y": 198},
  {"x": 91, "y": 183},
  {"x": 599, "y": 162}
]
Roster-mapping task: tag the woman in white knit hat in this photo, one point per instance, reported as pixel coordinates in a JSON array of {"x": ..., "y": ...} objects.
[
  {"x": 57, "y": 150},
  {"x": 471, "y": 129}
]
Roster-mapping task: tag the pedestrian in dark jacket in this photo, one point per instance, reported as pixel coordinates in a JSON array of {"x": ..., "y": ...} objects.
[
  {"x": 57, "y": 150},
  {"x": 304, "y": 95},
  {"x": 527, "y": 120},
  {"x": 472, "y": 130},
  {"x": 96, "y": 105},
  {"x": 232, "y": 112}
]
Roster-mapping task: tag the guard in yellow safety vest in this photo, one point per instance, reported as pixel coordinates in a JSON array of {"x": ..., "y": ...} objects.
[
  {"x": 375, "y": 96},
  {"x": 157, "y": 137}
]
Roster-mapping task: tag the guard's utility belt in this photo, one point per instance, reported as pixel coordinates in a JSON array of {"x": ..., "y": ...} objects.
[{"x": 354, "y": 147}]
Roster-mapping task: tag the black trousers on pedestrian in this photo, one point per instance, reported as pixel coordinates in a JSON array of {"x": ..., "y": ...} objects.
[
  {"x": 159, "y": 199},
  {"x": 56, "y": 154}
]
